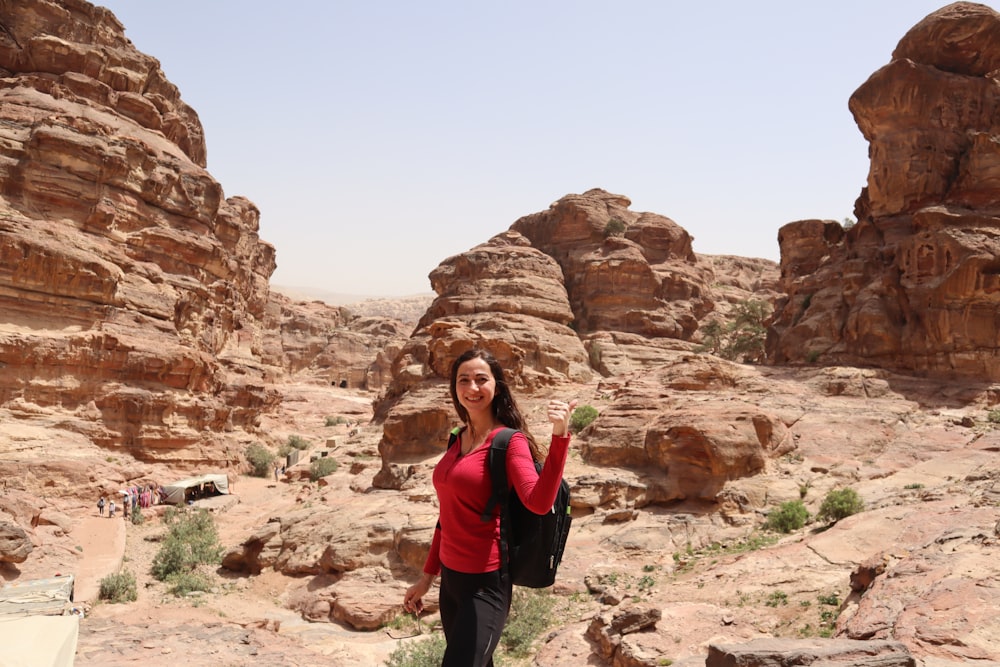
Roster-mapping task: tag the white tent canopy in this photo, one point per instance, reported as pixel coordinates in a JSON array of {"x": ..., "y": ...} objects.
[
  {"x": 30, "y": 641},
  {"x": 175, "y": 493}
]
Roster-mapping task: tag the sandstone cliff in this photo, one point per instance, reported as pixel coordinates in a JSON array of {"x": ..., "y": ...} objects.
[
  {"x": 913, "y": 285},
  {"x": 585, "y": 289},
  {"x": 136, "y": 309},
  {"x": 131, "y": 287}
]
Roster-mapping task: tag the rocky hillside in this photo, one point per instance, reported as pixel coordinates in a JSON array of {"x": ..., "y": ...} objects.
[
  {"x": 913, "y": 285},
  {"x": 139, "y": 339},
  {"x": 131, "y": 286},
  {"x": 136, "y": 309}
]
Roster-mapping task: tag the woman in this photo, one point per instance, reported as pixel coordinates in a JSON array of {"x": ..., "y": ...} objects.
[{"x": 474, "y": 595}]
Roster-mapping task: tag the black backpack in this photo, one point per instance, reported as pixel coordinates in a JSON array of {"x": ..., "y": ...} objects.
[{"x": 531, "y": 545}]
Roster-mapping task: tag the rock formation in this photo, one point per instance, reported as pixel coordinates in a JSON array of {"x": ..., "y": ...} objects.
[
  {"x": 633, "y": 281},
  {"x": 670, "y": 425},
  {"x": 587, "y": 287},
  {"x": 138, "y": 327},
  {"x": 913, "y": 285},
  {"x": 131, "y": 288},
  {"x": 330, "y": 344},
  {"x": 136, "y": 312}
]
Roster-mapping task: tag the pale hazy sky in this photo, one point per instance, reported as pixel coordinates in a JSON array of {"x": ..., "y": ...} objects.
[{"x": 379, "y": 137}]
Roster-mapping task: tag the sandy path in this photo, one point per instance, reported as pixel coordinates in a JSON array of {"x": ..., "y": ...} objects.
[{"x": 103, "y": 547}]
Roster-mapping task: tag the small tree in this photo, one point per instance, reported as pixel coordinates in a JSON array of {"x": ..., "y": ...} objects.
[
  {"x": 788, "y": 517},
  {"x": 192, "y": 541},
  {"x": 615, "y": 227},
  {"x": 582, "y": 417},
  {"x": 742, "y": 337},
  {"x": 260, "y": 459},
  {"x": 322, "y": 467},
  {"x": 839, "y": 504},
  {"x": 298, "y": 442},
  {"x": 118, "y": 588}
]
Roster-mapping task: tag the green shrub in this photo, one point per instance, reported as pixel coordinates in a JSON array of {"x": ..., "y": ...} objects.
[
  {"x": 136, "y": 516},
  {"x": 298, "y": 442},
  {"x": 182, "y": 583},
  {"x": 839, "y": 504},
  {"x": 322, "y": 467},
  {"x": 118, "y": 588},
  {"x": 788, "y": 517},
  {"x": 742, "y": 338},
  {"x": 260, "y": 459},
  {"x": 335, "y": 421},
  {"x": 777, "y": 599},
  {"x": 530, "y": 616},
  {"x": 615, "y": 227},
  {"x": 192, "y": 540},
  {"x": 582, "y": 418},
  {"x": 594, "y": 354},
  {"x": 993, "y": 416},
  {"x": 422, "y": 653}
]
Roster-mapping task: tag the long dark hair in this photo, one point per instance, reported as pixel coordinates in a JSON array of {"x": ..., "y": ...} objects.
[{"x": 504, "y": 407}]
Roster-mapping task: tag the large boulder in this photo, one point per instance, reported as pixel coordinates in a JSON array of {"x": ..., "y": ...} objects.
[{"x": 15, "y": 544}]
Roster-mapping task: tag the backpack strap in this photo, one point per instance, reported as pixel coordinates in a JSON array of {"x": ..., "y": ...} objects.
[
  {"x": 496, "y": 462},
  {"x": 453, "y": 435}
]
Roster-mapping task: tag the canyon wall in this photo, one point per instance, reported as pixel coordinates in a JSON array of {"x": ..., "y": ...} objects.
[
  {"x": 132, "y": 289},
  {"x": 915, "y": 285}
]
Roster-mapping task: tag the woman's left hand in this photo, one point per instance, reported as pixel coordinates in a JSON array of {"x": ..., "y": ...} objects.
[{"x": 559, "y": 414}]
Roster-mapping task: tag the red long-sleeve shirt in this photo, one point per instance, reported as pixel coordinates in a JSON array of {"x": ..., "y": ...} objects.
[{"x": 466, "y": 543}]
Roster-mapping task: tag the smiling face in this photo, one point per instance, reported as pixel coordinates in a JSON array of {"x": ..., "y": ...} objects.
[{"x": 475, "y": 387}]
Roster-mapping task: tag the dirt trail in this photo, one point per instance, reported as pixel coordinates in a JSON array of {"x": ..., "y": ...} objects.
[
  {"x": 244, "y": 616},
  {"x": 102, "y": 541}
]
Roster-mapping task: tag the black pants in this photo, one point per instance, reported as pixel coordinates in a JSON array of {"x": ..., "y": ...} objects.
[{"x": 474, "y": 609}]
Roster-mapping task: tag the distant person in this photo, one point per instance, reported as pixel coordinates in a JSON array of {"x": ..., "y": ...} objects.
[
  {"x": 100, "y": 506},
  {"x": 475, "y": 595},
  {"x": 276, "y": 469},
  {"x": 111, "y": 509}
]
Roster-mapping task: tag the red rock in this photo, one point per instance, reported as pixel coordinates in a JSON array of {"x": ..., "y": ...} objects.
[{"x": 913, "y": 285}]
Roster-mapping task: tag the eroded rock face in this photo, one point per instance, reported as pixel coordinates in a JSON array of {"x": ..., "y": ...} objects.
[
  {"x": 673, "y": 424},
  {"x": 503, "y": 295},
  {"x": 913, "y": 285},
  {"x": 645, "y": 280},
  {"x": 330, "y": 344},
  {"x": 587, "y": 287},
  {"x": 132, "y": 289}
]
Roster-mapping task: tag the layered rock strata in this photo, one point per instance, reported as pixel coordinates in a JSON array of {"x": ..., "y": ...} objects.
[
  {"x": 586, "y": 288},
  {"x": 914, "y": 284},
  {"x": 132, "y": 289}
]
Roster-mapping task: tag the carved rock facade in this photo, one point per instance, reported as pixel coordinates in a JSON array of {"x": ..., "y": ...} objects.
[{"x": 915, "y": 284}]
